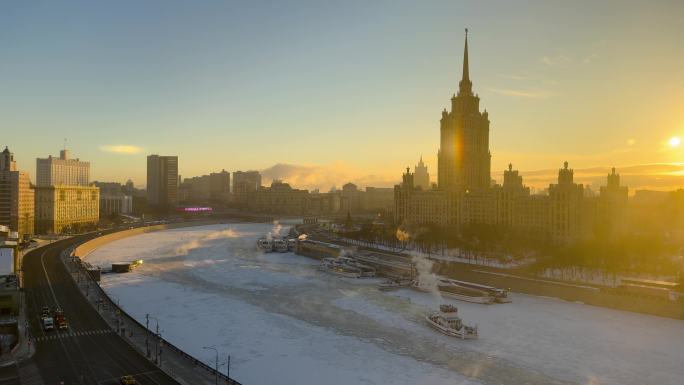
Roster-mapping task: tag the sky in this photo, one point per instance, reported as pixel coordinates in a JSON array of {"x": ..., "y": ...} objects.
[{"x": 320, "y": 93}]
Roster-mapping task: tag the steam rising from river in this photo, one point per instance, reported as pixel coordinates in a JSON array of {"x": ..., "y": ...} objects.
[
  {"x": 426, "y": 278},
  {"x": 202, "y": 240},
  {"x": 275, "y": 231}
]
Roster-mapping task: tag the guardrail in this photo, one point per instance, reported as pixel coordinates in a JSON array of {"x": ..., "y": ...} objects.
[{"x": 102, "y": 294}]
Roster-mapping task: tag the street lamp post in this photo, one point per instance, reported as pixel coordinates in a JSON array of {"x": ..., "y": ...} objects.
[
  {"x": 216, "y": 350},
  {"x": 228, "y": 370},
  {"x": 118, "y": 314},
  {"x": 157, "y": 350},
  {"x": 147, "y": 334}
]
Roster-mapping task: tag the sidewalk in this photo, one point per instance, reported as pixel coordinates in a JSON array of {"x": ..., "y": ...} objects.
[
  {"x": 182, "y": 367},
  {"x": 25, "y": 347}
]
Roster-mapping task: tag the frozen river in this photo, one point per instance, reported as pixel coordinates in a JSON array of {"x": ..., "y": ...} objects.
[{"x": 283, "y": 321}]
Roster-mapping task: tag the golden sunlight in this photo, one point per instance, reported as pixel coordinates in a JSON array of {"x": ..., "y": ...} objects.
[{"x": 674, "y": 141}]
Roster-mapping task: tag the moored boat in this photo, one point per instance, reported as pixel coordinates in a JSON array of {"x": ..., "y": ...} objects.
[
  {"x": 280, "y": 245},
  {"x": 499, "y": 295},
  {"x": 447, "y": 321},
  {"x": 394, "y": 283},
  {"x": 339, "y": 267},
  {"x": 264, "y": 244},
  {"x": 464, "y": 293}
]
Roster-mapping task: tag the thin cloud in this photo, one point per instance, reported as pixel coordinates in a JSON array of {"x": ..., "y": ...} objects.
[
  {"x": 590, "y": 58},
  {"x": 558, "y": 60},
  {"x": 529, "y": 94},
  {"x": 121, "y": 149},
  {"x": 513, "y": 77}
]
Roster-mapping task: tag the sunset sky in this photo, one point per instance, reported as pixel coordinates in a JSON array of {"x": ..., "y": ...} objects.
[{"x": 324, "y": 92}]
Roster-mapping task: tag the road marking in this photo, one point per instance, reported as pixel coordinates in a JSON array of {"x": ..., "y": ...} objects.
[
  {"x": 42, "y": 263},
  {"x": 79, "y": 333}
]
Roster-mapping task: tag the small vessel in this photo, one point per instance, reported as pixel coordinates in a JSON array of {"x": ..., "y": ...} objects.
[
  {"x": 464, "y": 293},
  {"x": 339, "y": 267},
  {"x": 366, "y": 271},
  {"x": 447, "y": 321},
  {"x": 499, "y": 295},
  {"x": 455, "y": 291},
  {"x": 264, "y": 244},
  {"x": 394, "y": 283},
  {"x": 280, "y": 245},
  {"x": 291, "y": 244}
]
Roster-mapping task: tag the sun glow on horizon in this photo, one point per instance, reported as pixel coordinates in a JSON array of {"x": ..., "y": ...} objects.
[{"x": 675, "y": 141}]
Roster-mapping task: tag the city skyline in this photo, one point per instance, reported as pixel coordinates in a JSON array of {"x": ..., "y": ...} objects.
[{"x": 617, "y": 105}]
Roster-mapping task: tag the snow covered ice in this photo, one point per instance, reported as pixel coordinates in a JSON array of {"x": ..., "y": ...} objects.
[{"x": 283, "y": 321}]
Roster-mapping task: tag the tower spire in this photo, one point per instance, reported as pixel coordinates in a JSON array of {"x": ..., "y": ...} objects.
[{"x": 465, "y": 85}]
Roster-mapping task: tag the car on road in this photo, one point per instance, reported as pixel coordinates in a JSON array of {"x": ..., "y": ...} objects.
[
  {"x": 45, "y": 312},
  {"x": 128, "y": 380},
  {"x": 61, "y": 321},
  {"x": 48, "y": 323}
]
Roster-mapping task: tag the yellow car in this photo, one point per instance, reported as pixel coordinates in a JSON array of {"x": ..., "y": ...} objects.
[{"x": 128, "y": 380}]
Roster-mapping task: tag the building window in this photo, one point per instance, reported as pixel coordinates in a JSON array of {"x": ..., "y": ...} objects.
[{"x": 62, "y": 195}]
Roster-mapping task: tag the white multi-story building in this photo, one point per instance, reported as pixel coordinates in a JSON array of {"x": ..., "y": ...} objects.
[
  {"x": 64, "y": 199},
  {"x": 62, "y": 171}
]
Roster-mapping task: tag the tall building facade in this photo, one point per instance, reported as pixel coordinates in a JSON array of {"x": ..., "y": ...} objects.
[
  {"x": 466, "y": 195},
  {"x": 219, "y": 186},
  {"x": 162, "y": 181},
  {"x": 17, "y": 201},
  {"x": 464, "y": 160},
  {"x": 244, "y": 184},
  {"x": 613, "y": 206},
  {"x": 421, "y": 177},
  {"x": 53, "y": 171},
  {"x": 214, "y": 187},
  {"x": 65, "y": 202}
]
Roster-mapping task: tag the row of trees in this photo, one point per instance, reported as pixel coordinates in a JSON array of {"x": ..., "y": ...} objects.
[{"x": 646, "y": 253}]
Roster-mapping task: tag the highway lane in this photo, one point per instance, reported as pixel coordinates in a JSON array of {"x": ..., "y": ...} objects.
[{"x": 89, "y": 352}]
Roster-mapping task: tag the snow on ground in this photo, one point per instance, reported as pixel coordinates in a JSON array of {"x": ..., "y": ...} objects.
[{"x": 283, "y": 321}]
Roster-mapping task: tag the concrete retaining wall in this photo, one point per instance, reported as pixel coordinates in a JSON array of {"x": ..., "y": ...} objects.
[{"x": 86, "y": 248}]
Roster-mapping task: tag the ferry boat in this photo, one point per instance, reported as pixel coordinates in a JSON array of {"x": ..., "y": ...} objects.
[
  {"x": 280, "y": 245},
  {"x": 339, "y": 267},
  {"x": 447, "y": 321},
  {"x": 291, "y": 244},
  {"x": 264, "y": 244}
]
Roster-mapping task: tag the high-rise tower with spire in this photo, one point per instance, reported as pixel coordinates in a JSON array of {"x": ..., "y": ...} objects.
[
  {"x": 421, "y": 175},
  {"x": 464, "y": 160}
]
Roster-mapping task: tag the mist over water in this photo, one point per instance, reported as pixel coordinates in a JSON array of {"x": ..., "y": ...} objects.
[
  {"x": 199, "y": 242},
  {"x": 425, "y": 277},
  {"x": 275, "y": 231}
]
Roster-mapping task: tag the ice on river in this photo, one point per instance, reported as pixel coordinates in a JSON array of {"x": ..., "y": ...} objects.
[{"x": 283, "y": 321}]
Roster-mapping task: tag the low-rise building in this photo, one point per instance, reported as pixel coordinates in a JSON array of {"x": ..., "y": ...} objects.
[
  {"x": 279, "y": 198},
  {"x": 114, "y": 199}
]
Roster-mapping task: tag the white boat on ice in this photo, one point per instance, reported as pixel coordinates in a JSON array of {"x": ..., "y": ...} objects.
[
  {"x": 280, "y": 245},
  {"x": 394, "y": 283},
  {"x": 264, "y": 244},
  {"x": 447, "y": 321},
  {"x": 339, "y": 267}
]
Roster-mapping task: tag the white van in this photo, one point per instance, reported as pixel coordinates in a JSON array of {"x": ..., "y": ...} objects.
[{"x": 48, "y": 323}]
